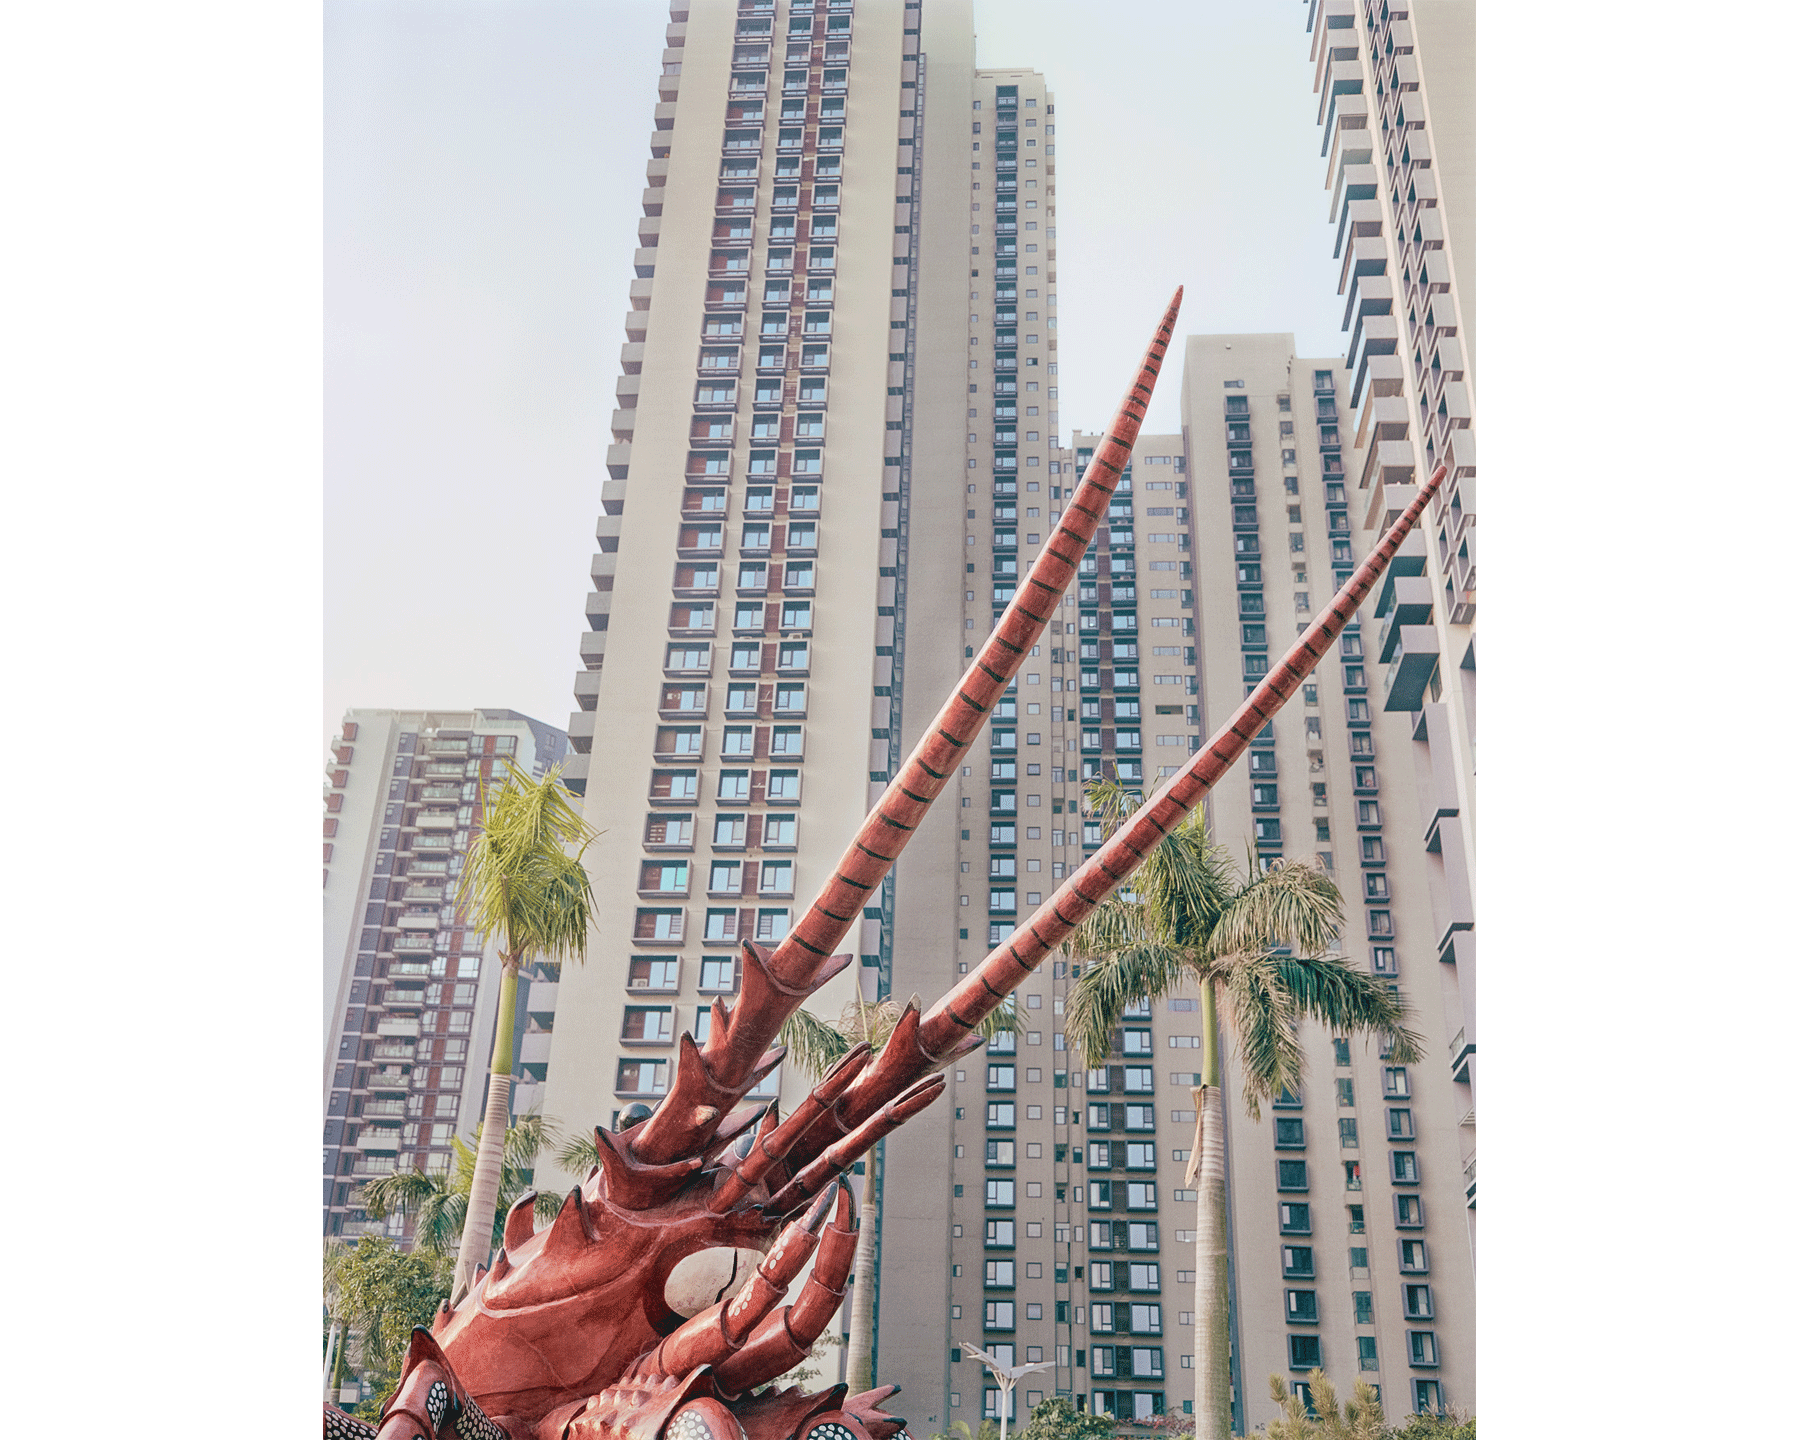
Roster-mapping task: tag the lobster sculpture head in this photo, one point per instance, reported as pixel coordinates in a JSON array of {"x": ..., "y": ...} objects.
[{"x": 652, "y": 1306}]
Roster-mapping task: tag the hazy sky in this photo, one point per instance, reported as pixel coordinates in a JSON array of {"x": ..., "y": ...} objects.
[{"x": 483, "y": 164}]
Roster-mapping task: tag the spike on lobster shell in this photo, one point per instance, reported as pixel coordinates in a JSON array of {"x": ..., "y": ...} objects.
[
  {"x": 633, "y": 1185},
  {"x": 521, "y": 1221}
]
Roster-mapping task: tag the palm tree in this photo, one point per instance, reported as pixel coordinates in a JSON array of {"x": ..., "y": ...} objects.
[
  {"x": 438, "y": 1203},
  {"x": 815, "y": 1046},
  {"x": 521, "y": 884},
  {"x": 1257, "y": 951}
]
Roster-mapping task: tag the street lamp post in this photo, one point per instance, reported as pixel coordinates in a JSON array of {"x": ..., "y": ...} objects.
[{"x": 1008, "y": 1376}]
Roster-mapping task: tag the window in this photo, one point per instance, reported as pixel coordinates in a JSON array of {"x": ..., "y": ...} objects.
[
  {"x": 1002, "y": 1115},
  {"x": 1409, "y": 1212},
  {"x": 1290, "y": 1175},
  {"x": 1290, "y": 1133},
  {"x": 1296, "y": 1217},
  {"x": 1417, "y": 1299},
  {"x": 1000, "y": 1192},
  {"x": 999, "y": 1275},
  {"x": 1428, "y": 1398},
  {"x": 999, "y": 1234},
  {"x": 1364, "y": 1304},
  {"x": 1393, "y": 1082},
  {"x": 1421, "y": 1347},
  {"x": 1297, "y": 1261},
  {"x": 1303, "y": 1307},
  {"x": 642, "y": 1077},
  {"x": 1400, "y": 1125},
  {"x": 1414, "y": 1259},
  {"x": 997, "y": 1315},
  {"x": 649, "y": 1024},
  {"x": 649, "y": 972},
  {"x": 1366, "y": 1358},
  {"x": 1303, "y": 1352},
  {"x": 1346, "y": 1134},
  {"x": 1002, "y": 1077},
  {"x": 728, "y": 830},
  {"x": 1406, "y": 1166},
  {"x": 718, "y": 973}
]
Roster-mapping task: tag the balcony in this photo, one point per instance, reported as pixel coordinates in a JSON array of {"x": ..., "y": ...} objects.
[
  {"x": 540, "y": 1004},
  {"x": 1387, "y": 503},
  {"x": 419, "y": 920},
  {"x": 413, "y": 942},
  {"x": 1462, "y": 1050},
  {"x": 436, "y": 820},
  {"x": 1412, "y": 668},
  {"x": 379, "y": 1137},
  {"x": 398, "y": 1029},
  {"x": 1406, "y": 601}
]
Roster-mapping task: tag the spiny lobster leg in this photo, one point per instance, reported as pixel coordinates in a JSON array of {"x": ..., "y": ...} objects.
[
  {"x": 801, "y": 958},
  {"x": 894, "y": 1069},
  {"x": 774, "y": 1140},
  {"x": 839, "y": 1157},
  {"x": 430, "y": 1402},
  {"x": 717, "y": 1332},
  {"x": 709, "y": 1081},
  {"x": 948, "y": 1028},
  {"x": 786, "y": 1338},
  {"x": 866, "y": 1407}
]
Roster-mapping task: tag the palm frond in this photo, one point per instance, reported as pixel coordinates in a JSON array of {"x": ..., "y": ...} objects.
[
  {"x": 1111, "y": 980},
  {"x": 1003, "y": 1019},
  {"x": 525, "y": 1137},
  {"x": 1260, "y": 1014},
  {"x": 1331, "y": 990},
  {"x": 813, "y": 1045},
  {"x": 1292, "y": 903},
  {"x": 438, "y": 1225},
  {"x": 579, "y": 1155},
  {"x": 547, "y": 1204},
  {"x": 518, "y": 881},
  {"x": 402, "y": 1193}
]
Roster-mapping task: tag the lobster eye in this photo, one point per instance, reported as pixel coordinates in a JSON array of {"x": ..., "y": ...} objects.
[{"x": 708, "y": 1276}]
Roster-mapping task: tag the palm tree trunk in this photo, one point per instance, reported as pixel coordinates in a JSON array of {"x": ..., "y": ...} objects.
[
  {"x": 1212, "y": 1301},
  {"x": 859, "y": 1358},
  {"x": 484, "y": 1192}
]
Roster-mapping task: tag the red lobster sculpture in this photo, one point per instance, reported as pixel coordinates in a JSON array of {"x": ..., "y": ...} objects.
[{"x": 571, "y": 1334}]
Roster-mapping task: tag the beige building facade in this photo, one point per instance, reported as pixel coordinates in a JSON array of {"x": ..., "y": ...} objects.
[
  {"x": 836, "y": 450},
  {"x": 1396, "y": 88}
]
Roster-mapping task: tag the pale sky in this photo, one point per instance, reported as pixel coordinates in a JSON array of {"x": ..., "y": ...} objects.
[{"x": 483, "y": 165}]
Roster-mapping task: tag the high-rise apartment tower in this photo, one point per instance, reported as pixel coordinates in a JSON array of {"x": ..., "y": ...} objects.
[
  {"x": 410, "y": 990},
  {"x": 1396, "y": 86},
  {"x": 836, "y": 451}
]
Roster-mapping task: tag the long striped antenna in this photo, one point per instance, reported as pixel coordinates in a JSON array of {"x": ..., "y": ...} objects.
[
  {"x": 708, "y": 1081},
  {"x": 923, "y": 1043}
]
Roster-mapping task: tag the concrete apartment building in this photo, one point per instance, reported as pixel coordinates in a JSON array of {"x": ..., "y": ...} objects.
[
  {"x": 1396, "y": 87},
  {"x": 410, "y": 992},
  {"x": 1348, "y": 1208},
  {"x": 836, "y": 450}
]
